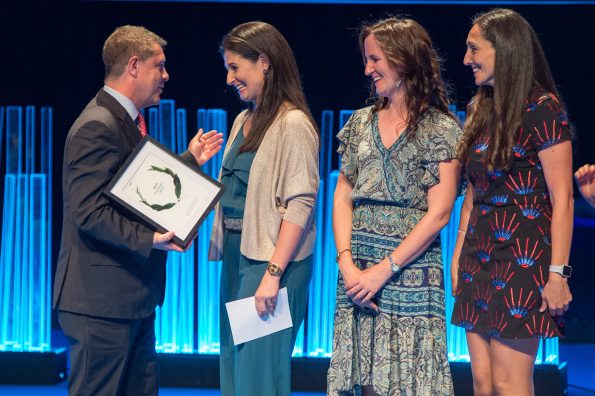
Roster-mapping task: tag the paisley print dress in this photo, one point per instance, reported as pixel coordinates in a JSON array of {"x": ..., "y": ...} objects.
[{"x": 402, "y": 349}]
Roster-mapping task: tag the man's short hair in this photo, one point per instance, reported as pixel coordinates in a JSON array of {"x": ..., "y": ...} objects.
[{"x": 126, "y": 42}]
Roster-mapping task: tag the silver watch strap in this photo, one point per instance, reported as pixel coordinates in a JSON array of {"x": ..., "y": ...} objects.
[{"x": 564, "y": 270}]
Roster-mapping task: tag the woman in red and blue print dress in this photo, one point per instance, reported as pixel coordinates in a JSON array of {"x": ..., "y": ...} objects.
[{"x": 516, "y": 221}]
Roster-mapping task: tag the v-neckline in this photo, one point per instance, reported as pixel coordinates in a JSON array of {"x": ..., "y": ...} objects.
[
  {"x": 244, "y": 124},
  {"x": 378, "y": 137}
]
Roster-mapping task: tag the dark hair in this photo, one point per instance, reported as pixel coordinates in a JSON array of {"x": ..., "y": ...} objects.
[
  {"x": 126, "y": 42},
  {"x": 409, "y": 50},
  {"x": 281, "y": 82},
  {"x": 520, "y": 69}
]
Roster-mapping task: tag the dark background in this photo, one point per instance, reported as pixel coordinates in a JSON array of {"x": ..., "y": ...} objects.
[{"x": 52, "y": 57}]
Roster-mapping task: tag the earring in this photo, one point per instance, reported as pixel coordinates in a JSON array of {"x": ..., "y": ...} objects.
[
  {"x": 265, "y": 71},
  {"x": 398, "y": 83}
]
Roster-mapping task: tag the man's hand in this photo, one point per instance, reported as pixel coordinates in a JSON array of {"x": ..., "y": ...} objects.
[
  {"x": 204, "y": 146},
  {"x": 164, "y": 242}
]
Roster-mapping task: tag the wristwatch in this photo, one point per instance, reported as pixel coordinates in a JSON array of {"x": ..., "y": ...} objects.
[
  {"x": 394, "y": 266},
  {"x": 274, "y": 269},
  {"x": 564, "y": 270}
]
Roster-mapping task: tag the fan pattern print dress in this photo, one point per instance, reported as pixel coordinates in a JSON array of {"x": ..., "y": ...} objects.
[{"x": 505, "y": 259}]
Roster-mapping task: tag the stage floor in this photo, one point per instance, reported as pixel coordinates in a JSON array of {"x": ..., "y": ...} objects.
[
  {"x": 581, "y": 378},
  {"x": 61, "y": 390}
]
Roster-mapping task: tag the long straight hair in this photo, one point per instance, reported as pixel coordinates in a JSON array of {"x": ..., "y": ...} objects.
[
  {"x": 281, "y": 82},
  {"x": 410, "y": 53},
  {"x": 520, "y": 69}
]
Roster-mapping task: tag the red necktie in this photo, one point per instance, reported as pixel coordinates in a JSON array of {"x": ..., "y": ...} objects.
[{"x": 142, "y": 125}]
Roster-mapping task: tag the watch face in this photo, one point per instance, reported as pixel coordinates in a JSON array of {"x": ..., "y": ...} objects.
[
  {"x": 566, "y": 270},
  {"x": 274, "y": 269}
]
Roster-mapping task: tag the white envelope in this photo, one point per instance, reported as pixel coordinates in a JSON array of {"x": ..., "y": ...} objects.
[{"x": 245, "y": 323}]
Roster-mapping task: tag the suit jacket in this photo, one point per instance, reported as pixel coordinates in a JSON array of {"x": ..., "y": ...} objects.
[{"x": 106, "y": 266}]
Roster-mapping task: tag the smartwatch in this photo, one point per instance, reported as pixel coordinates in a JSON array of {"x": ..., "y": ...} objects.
[{"x": 564, "y": 270}]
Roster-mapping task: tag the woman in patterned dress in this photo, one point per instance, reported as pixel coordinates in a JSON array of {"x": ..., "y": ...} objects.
[
  {"x": 398, "y": 182},
  {"x": 509, "y": 265}
]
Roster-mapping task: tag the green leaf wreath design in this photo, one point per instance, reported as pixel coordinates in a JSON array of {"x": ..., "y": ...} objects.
[{"x": 177, "y": 189}]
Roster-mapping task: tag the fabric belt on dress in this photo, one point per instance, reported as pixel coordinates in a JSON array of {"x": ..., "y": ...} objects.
[{"x": 233, "y": 224}]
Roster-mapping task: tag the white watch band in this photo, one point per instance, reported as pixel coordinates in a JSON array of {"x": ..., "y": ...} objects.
[{"x": 564, "y": 270}]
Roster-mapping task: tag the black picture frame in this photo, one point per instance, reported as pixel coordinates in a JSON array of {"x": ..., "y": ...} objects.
[{"x": 164, "y": 191}]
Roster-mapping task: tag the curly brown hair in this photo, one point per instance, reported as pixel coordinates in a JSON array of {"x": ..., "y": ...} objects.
[{"x": 409, "y": 50}]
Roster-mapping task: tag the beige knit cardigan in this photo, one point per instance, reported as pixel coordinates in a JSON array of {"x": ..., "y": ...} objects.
[{"x": 283, "y": 185}]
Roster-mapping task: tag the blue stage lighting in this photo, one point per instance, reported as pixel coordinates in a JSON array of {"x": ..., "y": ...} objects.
[{"x": 25, "y": 259}]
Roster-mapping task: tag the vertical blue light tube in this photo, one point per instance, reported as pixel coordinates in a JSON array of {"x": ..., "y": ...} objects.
[
  {"x": 160, "y": 333},
  {"x": 12, "y": 309},
  {"x": 312, "y": 322},
  {"x": 324, "y": 282},
  {"x": 457, "y": 344},
  {"x": 187, "y": 311},
  {"x": 166, "y": 123},
  {"x": 28, "y": 294},
  {"x": 25, "y": 258},
  {"x": 209, "y": 272},
  {"x": 14, "y": 147},
  {"x": 175, "y": 319},
  {"x": 7, "y": 268},
  {"x": 331, "y": 270},
  {"x": 168, "y": 318},
  {"x": 20, "y": 311},
  {"x": 39, "y": 280},
  {"x": 4, "y": 269},
  {"x": 153, "y": 125},
  {"x": 315, "y": 312},
  {"x": 316, "y": 334},
  {"x": 326, "y": 143},
  {"x": 551, "y": 351},
  {"x": 1, "y": 128},
  {"x": 29, "y": 148},
  {"x": 14, "y": 134},
  {"x": 181, "y": 133},
  {"x": 46, "y": 149}
]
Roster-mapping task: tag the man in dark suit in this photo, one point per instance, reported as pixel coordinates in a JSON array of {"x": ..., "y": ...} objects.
[{"x": 111, "y": 268}]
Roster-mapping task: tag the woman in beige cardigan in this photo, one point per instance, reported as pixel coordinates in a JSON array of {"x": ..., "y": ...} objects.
[{"x": 264, "y": 229}]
